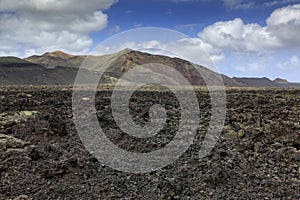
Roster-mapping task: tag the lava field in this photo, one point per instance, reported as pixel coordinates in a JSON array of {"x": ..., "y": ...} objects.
[{"x": 256, "y": 157}]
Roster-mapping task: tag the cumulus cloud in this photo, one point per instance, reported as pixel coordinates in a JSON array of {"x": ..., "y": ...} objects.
[
  {"x": 284, "y": 23},
  {"x": 46, "y": 25},
  {"x": 282, "y": 31},
  {"x": 56, "y": 6},
  {"x": 253, "y": 47},
  {"x": 234, "y": 35}
]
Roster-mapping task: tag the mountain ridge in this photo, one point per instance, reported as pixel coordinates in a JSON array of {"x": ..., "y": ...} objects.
[
  {"x": 59, "y": 54},
  {"x": 119, "y": 63}
]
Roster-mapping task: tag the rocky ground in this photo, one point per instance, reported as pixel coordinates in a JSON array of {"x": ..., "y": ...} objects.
[{"x": 256, "y": 157}]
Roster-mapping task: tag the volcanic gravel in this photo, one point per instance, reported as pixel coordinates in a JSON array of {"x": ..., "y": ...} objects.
[{"x": 256, "y": 157}]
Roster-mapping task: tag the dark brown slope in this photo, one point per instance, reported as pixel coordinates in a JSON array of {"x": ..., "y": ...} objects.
[
  {"x": 121, "y": 62},
  {"x": 15, "y": 71},
  {"x": 7, "y": 61}
]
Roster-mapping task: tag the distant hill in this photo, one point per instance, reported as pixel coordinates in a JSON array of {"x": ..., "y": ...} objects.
[
  {"x": 59, "y": 68},
  {"x": 281, "y": 81},
  {"x": 15, "y": 71},
  {"x": 265, "y": 82},
  {"x": 57, "y": 58},
  {"x": 9, "y": 60}
]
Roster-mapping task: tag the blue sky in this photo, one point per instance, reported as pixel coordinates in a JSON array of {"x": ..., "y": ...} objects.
[
  {"x": 188, "y": 17},
  {"x": 243, "y": 37}
]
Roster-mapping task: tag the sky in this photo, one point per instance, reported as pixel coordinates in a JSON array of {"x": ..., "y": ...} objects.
[{"x": 244, "y": 38}]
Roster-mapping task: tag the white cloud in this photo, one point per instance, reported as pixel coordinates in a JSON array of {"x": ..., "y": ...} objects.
[
  {"x": 234, "y": 35},
  {"x": 114, "y": 29},
  {"x": 180, "y": 1},
  {"x": 103, "y": 49},
  {"x": 250, "y": 68},
  {"x": 292, "y": 63},
  {"x": 196, "y": 50},
  {"x": 285, "y": 15},
  {"x": 46, "y": 25},
  {"x": 279, "y": 2},
  {"x": 138, "y": 25},
  {"x": 56, "y": 6},
  {"x": 187, "y": 26},
  {"x": 238, "y": 4},
  {"x": 129, "y": 12},
  {"x": 294, "y": 60},
  {"x": 169, "y": 12},
  {"x": 284, "y": 23}
]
